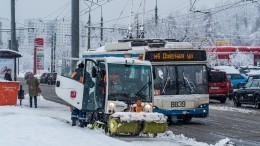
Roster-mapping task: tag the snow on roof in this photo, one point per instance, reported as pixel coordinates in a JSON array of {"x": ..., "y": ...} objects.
[
  {"x": 253, "y": 72},
  {"x": 129, "y": 61},
  {"x": 227, "y": 69},
  {"x": 8, "y": 53}
]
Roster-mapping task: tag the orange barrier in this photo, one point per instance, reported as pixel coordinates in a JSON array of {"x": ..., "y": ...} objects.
[{"x": 8, "y": 92}]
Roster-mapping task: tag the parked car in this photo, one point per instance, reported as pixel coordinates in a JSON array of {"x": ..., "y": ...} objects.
[
  {"x": 45, "y": 78},
  {"x": 238, "y": 80},
  {"x": 52, "y": 78},
  {"x": 253, "y": 75},
  {"x": 220, "y": 88},
  {"x": 248, "y": 94},
  {"x": 42, "y": 77},
  {"x": 234, "y": 76}
]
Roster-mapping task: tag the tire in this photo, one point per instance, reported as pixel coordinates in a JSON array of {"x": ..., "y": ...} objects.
[
  {"x": 223, "y": 100},
  {"x": 257, "y": 102},
  {"x": 186, "y": 120},
  {"x": 174, "y": 120},
  {"x": 236, "y": 101}
]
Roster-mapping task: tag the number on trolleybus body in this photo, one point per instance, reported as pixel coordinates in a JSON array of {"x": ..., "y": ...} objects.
[{"x": 178, "y": 104}]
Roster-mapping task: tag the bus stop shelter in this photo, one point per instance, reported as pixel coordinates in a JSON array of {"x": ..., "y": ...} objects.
[{"x": 8, "y": 89}]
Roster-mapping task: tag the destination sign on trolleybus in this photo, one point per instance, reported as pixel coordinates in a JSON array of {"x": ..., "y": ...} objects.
[{"x": 176, "y": 55}]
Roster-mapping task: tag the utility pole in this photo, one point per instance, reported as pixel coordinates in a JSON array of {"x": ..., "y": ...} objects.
[
  {"x": 137, "y": 26},
  {"x": 52, "y": 46},
  {"x": 53, "y": 52},
  {"x": 129, "y": 32},
  {"x": 89, "y": 21},
  {"x": 13, "y": 35},
  {"x": 101, "y": 21},
  {"x": 156, "y": 14},
  {"x": 75, "y": 29},
  {"x": 101, "y": 25},
  {"x": 142, "y": 25}
]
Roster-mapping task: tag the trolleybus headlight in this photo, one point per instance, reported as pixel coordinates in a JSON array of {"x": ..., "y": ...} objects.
[{"x": 148, "y": 108}]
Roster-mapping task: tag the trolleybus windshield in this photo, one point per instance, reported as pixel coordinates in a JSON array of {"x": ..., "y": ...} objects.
[{"x": 129, "y": 82}]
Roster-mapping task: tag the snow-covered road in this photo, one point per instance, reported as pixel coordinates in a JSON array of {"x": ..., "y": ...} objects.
[{"x": 240, "y": 125}]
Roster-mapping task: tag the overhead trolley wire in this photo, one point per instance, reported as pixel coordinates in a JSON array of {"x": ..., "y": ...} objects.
[{"x": 59, "y": 9}]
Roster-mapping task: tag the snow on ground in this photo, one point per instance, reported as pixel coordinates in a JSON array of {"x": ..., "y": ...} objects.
[
  {"x": 45, "y": 125},
  {"x": 241, "y": 110}
]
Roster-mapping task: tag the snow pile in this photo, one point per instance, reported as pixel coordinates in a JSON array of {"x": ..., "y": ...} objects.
[
  {"x": 142, "y": 116},
  {"x": 224, "y": 142},
  {"x": 191, "y": 141},
  {"x": 226, "y": 108}
]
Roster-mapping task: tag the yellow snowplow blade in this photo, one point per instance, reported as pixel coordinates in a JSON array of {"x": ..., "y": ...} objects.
[
  {"x": 116, "y": 127},
  {"x": 152, "y": 127}
]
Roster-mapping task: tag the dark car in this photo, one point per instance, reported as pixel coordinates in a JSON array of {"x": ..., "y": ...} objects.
[
  {"x": 42, "y": 77},
  {"x": 253, "y": 75},
  {"x": 45, "y": 78},
  {"x": 220, "y": 88},
  {"x": 248, "y": 94},
  {"x": 52, "y": 78}
]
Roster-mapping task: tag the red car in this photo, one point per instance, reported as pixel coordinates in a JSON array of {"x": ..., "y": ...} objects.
[{"x": 220, "y": 88}]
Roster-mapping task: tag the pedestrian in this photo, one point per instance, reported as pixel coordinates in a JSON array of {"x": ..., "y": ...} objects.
[
  {"x": 8, "y": 75},
  {"x": 33, "y": 84},
  {"x": 82, "y": 77}
]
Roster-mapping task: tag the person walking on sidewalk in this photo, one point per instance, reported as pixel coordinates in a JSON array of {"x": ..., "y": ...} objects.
[{"x": 33, "y": 83}]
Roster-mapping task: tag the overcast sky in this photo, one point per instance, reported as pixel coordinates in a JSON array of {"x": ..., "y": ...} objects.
[{"x": 51, "y": 9}]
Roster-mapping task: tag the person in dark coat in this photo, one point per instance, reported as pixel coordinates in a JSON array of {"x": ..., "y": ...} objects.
[
  {"x": 84, "y": 78},
  {"x": 8, "y": 76},
  {"x": 33, "y": 83}
]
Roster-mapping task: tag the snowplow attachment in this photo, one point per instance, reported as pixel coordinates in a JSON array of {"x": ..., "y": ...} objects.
[
  {"x": 152, "y": 127},
  {"x": 137, "y": 123},
  {"x": 116, "y": 127}
]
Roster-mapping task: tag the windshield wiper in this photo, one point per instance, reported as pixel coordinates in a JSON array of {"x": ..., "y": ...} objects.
[
  {"x": 190, "y": 84},
  {"x": 166, "y": 83},
  {"x": 143, "y": 88}
]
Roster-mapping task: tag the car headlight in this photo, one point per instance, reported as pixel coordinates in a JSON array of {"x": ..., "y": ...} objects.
[{"x": 148, "y": 108}]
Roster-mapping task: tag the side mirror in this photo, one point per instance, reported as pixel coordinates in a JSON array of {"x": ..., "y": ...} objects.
[
  {"x": 94, "y": 72},
  {"x": 58, "y": 84},
  {"x": 154, "y": 74}
]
